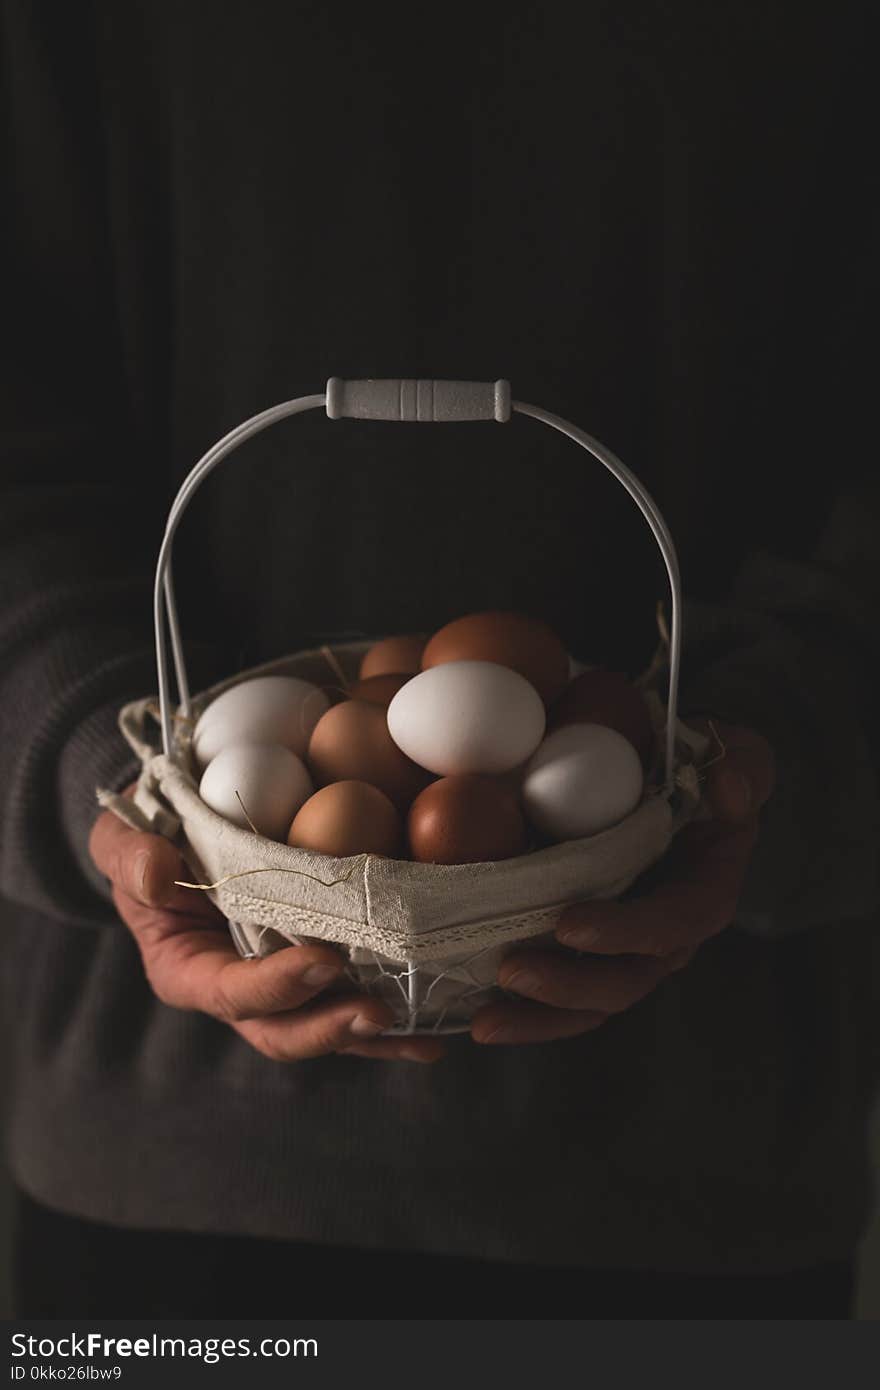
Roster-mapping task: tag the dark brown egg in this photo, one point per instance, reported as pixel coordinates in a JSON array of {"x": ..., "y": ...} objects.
[
  {"x": 348, "y": 818},
  {"x": 351, "y": 742},
  {"x": 608, "y": 698},
  {"x": 509, "y": 639},
  {"x": 466, "y": 820},
  {"x": 393, "y": 656},
  {"x": 378, "y": 690}
]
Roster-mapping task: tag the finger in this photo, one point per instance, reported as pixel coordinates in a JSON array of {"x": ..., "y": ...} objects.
[
  {"x": 193, "y": 905},
  {"x": 145, "y": 866},
  {"x": 317, "y": 1030},
  {"x": 743, "y": 777},
  {"x": 530, "y": 1023},
  {"x": 698, "y": 901},
  {"x": 408, "y": 1049},
  {"x": 568, "y": 982},
  {"x": 194, "y": 967}
]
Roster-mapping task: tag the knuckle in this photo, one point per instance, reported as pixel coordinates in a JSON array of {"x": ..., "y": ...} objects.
[
  {"x": 716, "y": 921},
  {"x": 329, "y": 1037},
  {"x": 619, "y": 1000},
  {"x": 160, "y": 990},
  {"x": 225, "y": 1006},
  {"x": 280, "y": 992},
  {"x": 268, "y": 1044},
  {"x": 679, "y": 959},
  {"x": 658, "y": 944},
  {"x": 267, "y": 994}
]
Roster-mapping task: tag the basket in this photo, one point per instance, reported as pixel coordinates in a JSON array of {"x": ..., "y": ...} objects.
[{"x": 427, "y": 938}]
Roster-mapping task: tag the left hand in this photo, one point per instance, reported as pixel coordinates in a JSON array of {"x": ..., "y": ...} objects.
[{"x": 634, "y": 944}]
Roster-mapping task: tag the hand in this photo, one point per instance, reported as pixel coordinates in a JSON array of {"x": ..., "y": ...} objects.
[
  {"x": 636, "y": 943},
  {"x": 191, "y": 963}
]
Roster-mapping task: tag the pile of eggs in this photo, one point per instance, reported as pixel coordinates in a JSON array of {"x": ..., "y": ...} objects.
[{"x": 476, "y": 745}]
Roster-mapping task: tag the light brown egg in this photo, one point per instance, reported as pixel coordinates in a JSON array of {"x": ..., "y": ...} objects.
[
  {"x": 610, "y": 699},
  {"x": 393, "y": 656},
  {"x": 466, "y": 820},
  {"x": 351, "y": 742},
  {"x": 524, "y": 644},
  {"x": 348, "y": 818},
  {"x": 378, "y": 690}
]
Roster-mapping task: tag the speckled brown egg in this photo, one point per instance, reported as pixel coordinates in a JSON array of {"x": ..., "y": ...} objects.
[
  {"x": 466, "y": 820},
  {"x": 524, "y": 644},
  {"x": 610, "y": 699},
  {"x": 378, "y": 690},
  {"x": 348, "y": 818},
  {"x": 351, "y": 742},
  {"x": 393, "y": 656}
]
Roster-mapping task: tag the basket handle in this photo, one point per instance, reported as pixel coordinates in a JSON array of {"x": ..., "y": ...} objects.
[{"x": 408, "y": 400}]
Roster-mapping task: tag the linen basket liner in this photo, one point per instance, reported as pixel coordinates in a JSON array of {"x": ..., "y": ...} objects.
[{"x": 384, "y": 910}]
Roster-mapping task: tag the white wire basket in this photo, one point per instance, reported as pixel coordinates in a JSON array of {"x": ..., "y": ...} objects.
[{"x": 427, "y": 938}]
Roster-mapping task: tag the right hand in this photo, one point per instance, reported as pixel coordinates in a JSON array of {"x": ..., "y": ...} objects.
[{"x": 190, "y": 962}]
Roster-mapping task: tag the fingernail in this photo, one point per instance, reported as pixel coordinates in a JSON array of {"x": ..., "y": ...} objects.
[
  {"x": 581, "y": 938},
  {"x": 523, "y": 982},
  {"x": 320, "y": 974},
  {"x": 364, "y": 1027},
  {"x": 498, "y": 1035}
]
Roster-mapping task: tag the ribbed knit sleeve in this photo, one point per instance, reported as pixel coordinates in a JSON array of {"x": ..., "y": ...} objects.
[
  {"x": 77, "y": 534},
  {"x": 794, "y": 654}
]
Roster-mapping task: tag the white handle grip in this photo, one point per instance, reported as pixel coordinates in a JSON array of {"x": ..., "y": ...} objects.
[{"x": 431, "y": 402}]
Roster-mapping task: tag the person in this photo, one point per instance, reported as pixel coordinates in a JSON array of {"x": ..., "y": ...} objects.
[{"x": 659, "y": 230}]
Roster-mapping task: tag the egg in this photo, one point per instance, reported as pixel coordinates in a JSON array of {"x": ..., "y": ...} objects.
[
  {"x": 263, "y": 783},
  {"x": 467, "y": 716},
  {"x": 583, "y": 779},
  {"x": 378, "y": 690},
  {"x": 348, "y": 818},
  {"x": 267, "y": 709},
  {"x": 609, "y": 698},
  {"x": 393, "y": 656},
  {"x": 351, "y": 742},
  {"x": 466, "y": 820},
  {"x": 524, "y": 644}
]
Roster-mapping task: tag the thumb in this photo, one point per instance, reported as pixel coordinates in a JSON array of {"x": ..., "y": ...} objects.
[{"x": 144, "y": 866}]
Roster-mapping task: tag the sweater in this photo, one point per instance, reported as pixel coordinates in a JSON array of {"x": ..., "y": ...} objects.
[{"x": 658, "y": 228}]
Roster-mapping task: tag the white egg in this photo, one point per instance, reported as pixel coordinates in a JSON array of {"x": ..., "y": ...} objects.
[
  {"x": 263, "y": 782},
  {"x": 583, "y": 779},
  {"x": 267, "y": 709},
  {"x": 467, "y": 716}
]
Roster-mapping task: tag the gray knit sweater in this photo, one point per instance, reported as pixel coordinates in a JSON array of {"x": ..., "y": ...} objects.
[{"x": 210, "y": 216}]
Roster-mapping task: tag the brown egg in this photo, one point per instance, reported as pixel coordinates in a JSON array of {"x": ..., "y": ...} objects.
[
  {"x": 378, "y": 690},
  {"x": 351, "y": 741},
  {"x": 348, "y": 818},
  {"x": 466, "y": 820},
  {"x": 393, "y": 656},
  {"x": 510, "y": 639},
  {"x": 609, "y": 698}
]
